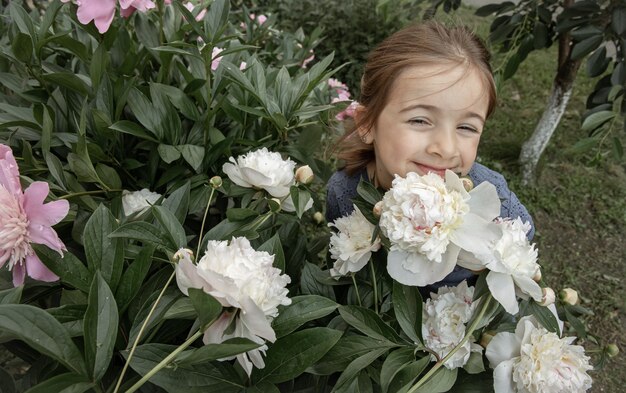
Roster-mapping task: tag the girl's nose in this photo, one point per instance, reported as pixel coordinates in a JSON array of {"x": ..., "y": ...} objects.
[{"x": 443, "y": 143}]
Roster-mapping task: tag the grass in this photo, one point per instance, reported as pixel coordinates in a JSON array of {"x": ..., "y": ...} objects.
[{"x": 578, "y": 202}]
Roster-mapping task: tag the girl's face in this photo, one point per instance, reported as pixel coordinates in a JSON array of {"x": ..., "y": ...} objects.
[{"x": 433, "y": 121}]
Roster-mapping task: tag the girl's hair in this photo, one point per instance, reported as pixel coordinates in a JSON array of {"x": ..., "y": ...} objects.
[{"x": 426, "y": 44}]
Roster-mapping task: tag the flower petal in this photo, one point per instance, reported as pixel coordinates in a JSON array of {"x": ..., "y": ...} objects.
[
  {"x": 503, "y": 378},
  {"x": 19, "y": 273},
  {"x": 232, "y": 171},
  {"x": 43, "y": 214},
  {"x": 9, "y": 172},
  {"x": 485, "y": 201},
  {"x": 42, "y": 234},
  {"x": 214, "y": 334},
  {"x": 502, "y": 347},
  {"x": 187, "y": 277},
  {"x": 503, "y": 290},
  {"x": 253, "y": 318},
  {"x": 37, "y": 270},
  {"x": 416, "y": 270},
  {"x": 100, "y": 11},
  {"x": 529, "y": 286},
  {"x": 475, "y": 235},
  {"x": 469, "y": 261}
]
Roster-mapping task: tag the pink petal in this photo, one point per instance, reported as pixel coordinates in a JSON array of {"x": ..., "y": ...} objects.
[
  {"x": 19, "y": 273},
  {"x": 100, "y": 11},
  {"x": 49, "y": 214},
  {"x": 37, "y": 270},
  {"x": 9, "y": 172},
  {"x": 126, "y": 13},
  {"x": 42, "y": 234}
]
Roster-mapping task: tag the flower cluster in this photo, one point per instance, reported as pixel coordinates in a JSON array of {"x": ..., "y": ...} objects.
[
  {"x": 237, "y": 276},
  {"x": 341, "y": 93},
  {"x": 137, "y": 202},
  {"x": 262, "y": 169},
  {"x": 26, "y": 219},
  {"x": 101, "y": 12}
]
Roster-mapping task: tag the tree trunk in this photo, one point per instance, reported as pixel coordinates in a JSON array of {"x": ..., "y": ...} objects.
[{"x": 557, "y": 103}]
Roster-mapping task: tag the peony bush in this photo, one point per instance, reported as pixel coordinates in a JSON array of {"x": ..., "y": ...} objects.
[{"x": 162, "y": 175}]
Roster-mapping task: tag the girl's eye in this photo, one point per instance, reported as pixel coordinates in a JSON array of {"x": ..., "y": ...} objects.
[
  {"x": 419, "y": 122},
  {"x": 469, "y": 128}
]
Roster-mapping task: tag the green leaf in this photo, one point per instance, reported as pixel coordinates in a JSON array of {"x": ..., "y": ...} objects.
[
  {"x": 194, "y": 155},
  {"x": 407, "y": 305},
  {"x": 346, "y": 350},
  {"x": 300, "y": 199},
  {"x": 22, "y": 47},
  {"x": 108, "y": 176},
  {"x": 128, "y": 127},
  {"x": 240, "y": 214},
  {"x": 104, "y": 253},
  {"x": 178, "y": 202},
  {"x": 473, "y": 383},
  {"x": 21, "y": 19},
  {"x": 98, "y": 65},
  {"x": 67, "y": 80},
  {"x": 11, "y": 296},
  {"x": 597, "y": 63},
  {"x": 170, "y": 297},
  {"x": 405, "y": 376},
  {"x": 274, "y": 247},
  {"x": 142, "y": 231},
  {"x": 597, "y": 119},
  {"x": 440, "y": 382},
  {"x": 368, "y": 192},
  {"x": 133, "y": 278},
  {"x": 544, "y": 316},
  {"x": 174, "y": 230},
  {"x": 289, "y": 356},
  {"x": 216, "y": 19},
  {"x": 262, "y": 387},
  {"x": 393, "y": 364},
  {"x": 41, "y": 332},
  {"x": 7, "y": 384},
  {"x": 69, "y": 268},
  {"x": 63, "y": 383},
  {"x": 301, "y": 310},
  {"x": 618, "y": 149},
  {"x": 210, "y": 352},
  {"x": 618, "y": 21},
  {"x": 586, "y": 46},
  {"x": 200, "y": 378},
  {"x": 475, "y": 364},
  {"x": 358, "y": 364},
  {"x": 206, "y": 306},
  {"x": 168, "y": 153},
  {"x": 369, "y": 323},
  {"x": 100, "y": 327}
]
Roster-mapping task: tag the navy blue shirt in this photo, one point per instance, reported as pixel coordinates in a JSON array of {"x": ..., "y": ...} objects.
[{"x": 341, "y": 189}]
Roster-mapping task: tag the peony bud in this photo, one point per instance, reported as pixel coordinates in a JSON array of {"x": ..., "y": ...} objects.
[
  {"x": 468, "y": 184},
  {"x": 182, "y": 253},
  {"x": 486, "y": 337},
  {"x": 274, "y": 204},
  {"x": 548, "y": 297},
  {"x": 569, "y": 296},
  {"x": 216, "y": 182},
  {"x": 378, "y": 209},
  {"x": 318, "y": 217},
  {"x": 304, "y": 175},
  {"x": 612, "y": 350}
]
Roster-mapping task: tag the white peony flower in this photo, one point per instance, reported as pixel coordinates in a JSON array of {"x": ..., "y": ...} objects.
[
  {"x": 352, "y": 246},
  {"x": 237, "y": 276},
  {"x": 428, "y": 222},
  {"x": 444, "y": 317},
  {"x": 138, "y": 201},
  {"x": 262, "y": 169},
  {"x": 534, "y": 360},
  {"x": 513, "y": 265}
]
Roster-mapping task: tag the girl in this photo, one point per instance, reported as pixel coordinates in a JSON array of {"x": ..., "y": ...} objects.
[{"x": 426, "y": 93}]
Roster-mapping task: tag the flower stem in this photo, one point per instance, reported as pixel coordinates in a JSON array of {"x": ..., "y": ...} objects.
[
  {"x": 373, "y": 273},
  {"x": 441, "y": 362},
  {"x": 356, "y": 289},
  {"x": 165, "y": 362},
  {"x": 143, "y": 326},
  {"x": 206, "y": 212}
]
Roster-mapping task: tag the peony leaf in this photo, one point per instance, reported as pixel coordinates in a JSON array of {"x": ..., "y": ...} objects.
[
  {"x": 346, "y": 350},
  {"x": 407, "y": 305},
  {"x": 473, "y": 383},
  {"x": 201, "y": 378},
  {"x": 141, "y": 231},
  {"x": 210, "y": 352},
  {"x": 396, "y": 360},
  {"x": 367, "y": 191},
  {"x": 300, "y": 199},
  {"x": 133, "y": 277},
  {"x": 11, "y": 296},
  {"x": 63, "y": 383},
  {"x": 100, "y": 327},
  {"x": 543, "y": 314},
  {"x": 313, "y": 281},
  {"x": 42, "y": 332},
  {"x": 274, "y": 247},
  {"x": 178, "y": 202},
  {"x": 358, "y": 364},
  {"x": 207, "y": 308},
  {"x": 291, "y": 355},
  {"x": 174, "y": 230},
  {"x": 262, "y": 387},
  {"x": 7, "y": 384},
  {"x": 240, "y": 214},
  {"x": 405, "y": 376},
  {"x": 69, "y": 268},
  {"x": 103, "y": 253},
  {"x": 170, "y": 297},
  {"x": 301, "y": 310},
  {"x": 441, "y": 381},
  {"x": 369, "y": 323}
]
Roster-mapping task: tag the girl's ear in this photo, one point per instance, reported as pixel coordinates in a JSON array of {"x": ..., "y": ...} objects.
[{"x": 366, "y": 135}]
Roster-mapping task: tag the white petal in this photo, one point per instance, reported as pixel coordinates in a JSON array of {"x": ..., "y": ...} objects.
[
  {"x": 278, "y": 191},
  {"x": 469, "y": 261},
  {"x": 253, "y": 319},
  {"x": 215, "y": 332},
  {"x": 503, "y": 290},
  {"x": 233, "y": 173},
  {"x": 529, "y": 286},
  {"x": 255, "y": 177},
  {"x": 453, "y": 182},
  {"x": 485, "y": 201},
  {"x": 475, "y": 234},
  {"x": 503, "y": 378},
  {"x": 416, "y": 270},
  {"x": 187, "y": 276},
  {"x": 502, "y": 347}
]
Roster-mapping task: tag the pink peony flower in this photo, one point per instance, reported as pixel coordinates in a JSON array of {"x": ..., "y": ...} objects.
[
  {"x": 260, "y": 20},
  {"x": 100, "y": 11},
  {"x": 141, "y": 5},
  {"x": 216, "y": 58},
  {"x": 25, "y": 219},
  {"x": 348, "y": 112},
  {"x": 190, "y": 6}
]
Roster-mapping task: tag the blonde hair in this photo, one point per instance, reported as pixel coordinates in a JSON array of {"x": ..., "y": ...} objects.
[{"x": 426, "y": 44}]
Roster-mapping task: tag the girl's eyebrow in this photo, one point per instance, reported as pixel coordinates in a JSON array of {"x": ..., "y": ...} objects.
[{"x": 437, "y": 109}]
